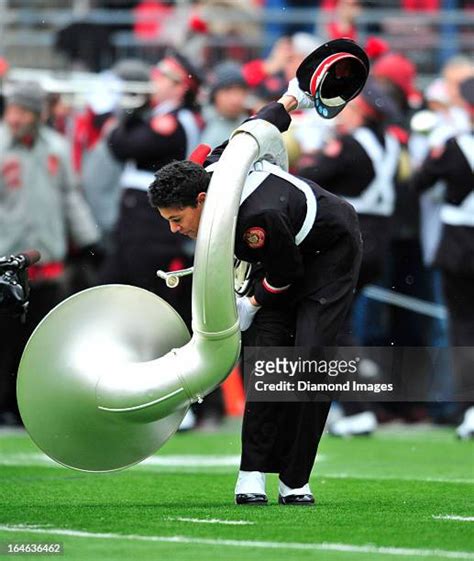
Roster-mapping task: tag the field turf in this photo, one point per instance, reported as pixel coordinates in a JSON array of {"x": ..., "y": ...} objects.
[{"x": 401, "y": 494}]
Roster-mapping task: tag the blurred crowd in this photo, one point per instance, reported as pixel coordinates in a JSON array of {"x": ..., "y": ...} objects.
[{"x": 74, "y": 179}]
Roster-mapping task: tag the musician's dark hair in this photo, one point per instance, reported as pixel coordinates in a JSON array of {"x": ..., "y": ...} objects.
[{"x": 178, "y": 184}]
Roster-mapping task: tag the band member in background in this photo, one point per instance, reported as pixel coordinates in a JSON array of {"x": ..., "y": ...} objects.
[
  {"x": 453, "y": 163},
  {"x": 146, "y": 138}
]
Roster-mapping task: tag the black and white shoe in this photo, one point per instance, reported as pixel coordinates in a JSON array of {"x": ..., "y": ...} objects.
[
  {"x": 251, "y": 499},
  {"x": 300, "y": 496},
  {"x": 298, "y": 500},
  {"x": 250, "y": 488}
]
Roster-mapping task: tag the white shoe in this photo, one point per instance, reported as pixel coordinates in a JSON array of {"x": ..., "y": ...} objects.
[
  {"x": 355, "y": 425},
  {"x": 301, "y": 496},
  {"x": 250, "y": 483},
  {"x": 466, "y": 428},
  {"x": 285, "y": 491}
]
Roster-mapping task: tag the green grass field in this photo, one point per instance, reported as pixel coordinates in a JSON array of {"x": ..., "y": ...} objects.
[{"x": 402, "y": 494}]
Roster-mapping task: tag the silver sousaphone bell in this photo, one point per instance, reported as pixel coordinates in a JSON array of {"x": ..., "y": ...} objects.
[{"x": 108, "y": 375}]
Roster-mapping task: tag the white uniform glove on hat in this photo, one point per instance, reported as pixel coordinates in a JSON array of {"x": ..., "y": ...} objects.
[{"x": 304, "y": 100}]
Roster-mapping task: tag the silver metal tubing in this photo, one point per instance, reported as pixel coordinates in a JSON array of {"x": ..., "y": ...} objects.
[{"x": 108, "y": 375}]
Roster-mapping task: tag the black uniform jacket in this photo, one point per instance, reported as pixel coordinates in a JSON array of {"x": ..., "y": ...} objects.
[
  {"x": 150, "y": 141},
  {"x": 345, "y": 169},
  {"x": 268, "y": 222},
  {"x": 456, "y": 249}
]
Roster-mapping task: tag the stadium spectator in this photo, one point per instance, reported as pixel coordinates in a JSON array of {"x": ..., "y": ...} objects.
[
  {"x": 150, "y": 16},
  {"x": 343, "y": 21},
  {"x": 40, "y": 205},
  {"x": 58, "y": 113},
  {"x": 455, "y": 71},
  {"x": 281, "y": 64},
  {"x": 231, "y": 27},
  {"x": 227, "y": 108}
]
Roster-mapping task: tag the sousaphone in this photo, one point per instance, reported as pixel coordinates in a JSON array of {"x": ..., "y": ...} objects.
[{"x": 108, "y": 375}]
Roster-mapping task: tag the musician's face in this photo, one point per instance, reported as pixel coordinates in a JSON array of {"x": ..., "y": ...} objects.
[{"x": 184, "y": 220}]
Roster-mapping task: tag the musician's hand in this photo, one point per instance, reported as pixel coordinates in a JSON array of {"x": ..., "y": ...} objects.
[{"x": 247, "y": 311}]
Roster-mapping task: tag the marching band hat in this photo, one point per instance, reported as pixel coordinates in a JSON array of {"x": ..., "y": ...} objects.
[
  {"x": 177, "y": 67},
  {"x": 333, "y": 74}
]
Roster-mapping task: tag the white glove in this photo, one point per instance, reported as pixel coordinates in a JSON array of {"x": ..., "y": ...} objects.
[
  {"x": 246, "y": 312},
  {"x": 304, "y": 100}
]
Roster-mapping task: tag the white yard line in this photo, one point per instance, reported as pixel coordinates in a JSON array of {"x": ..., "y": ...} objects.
[
  {"x": 12, "y": 431},
  {"x": 453, "y": 517},
  {"x": 179, "y": 461},
  {"x": 211, "y": 521},
  {"x": 187, "y": 462},
  {"x": 392, "y": 478},
  {"x": 339, "y": 547},
  {"x": 192, "y": 461}
]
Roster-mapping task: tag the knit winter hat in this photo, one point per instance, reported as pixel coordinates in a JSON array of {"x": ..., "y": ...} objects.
[
  {"x": 29, "y": 95},
  {"x": 225, "y": 75}
]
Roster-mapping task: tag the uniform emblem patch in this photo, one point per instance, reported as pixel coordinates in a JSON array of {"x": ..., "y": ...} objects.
[{"x": 254, "y": 237}]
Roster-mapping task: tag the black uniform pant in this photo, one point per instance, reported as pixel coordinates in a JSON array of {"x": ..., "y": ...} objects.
[
  {"x": 280, "y": 437},
  {"x": 459, "y": 297}
]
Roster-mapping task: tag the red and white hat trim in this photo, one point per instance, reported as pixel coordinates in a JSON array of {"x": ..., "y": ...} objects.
[{"x": 324, "y": 67}]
